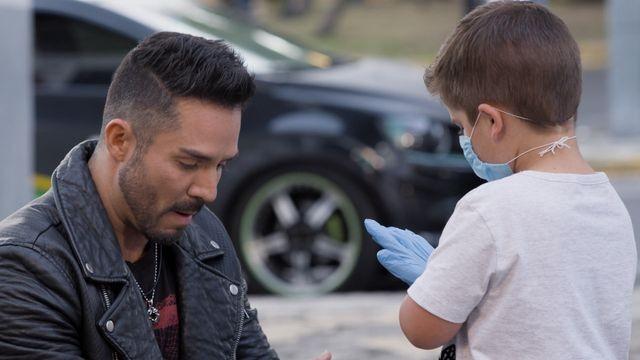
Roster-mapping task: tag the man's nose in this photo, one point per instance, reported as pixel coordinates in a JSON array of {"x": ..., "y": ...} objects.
[{"x": 205, "y": 187}]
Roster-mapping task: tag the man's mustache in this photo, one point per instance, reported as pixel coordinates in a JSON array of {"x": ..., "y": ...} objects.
[{"x": 188, "y": 207}]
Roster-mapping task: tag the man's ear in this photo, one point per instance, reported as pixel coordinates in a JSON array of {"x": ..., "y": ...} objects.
[
  {"x": 498, "y": 128},
  {"x": 119, "y": 139}
]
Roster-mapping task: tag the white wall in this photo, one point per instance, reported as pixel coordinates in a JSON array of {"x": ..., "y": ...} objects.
[
  {"x": 16, "y": 109},
  {"x": 624, "y": 66}
]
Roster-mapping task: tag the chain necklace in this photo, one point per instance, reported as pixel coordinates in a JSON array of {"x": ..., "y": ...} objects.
[{"x": 152, "y": 311}]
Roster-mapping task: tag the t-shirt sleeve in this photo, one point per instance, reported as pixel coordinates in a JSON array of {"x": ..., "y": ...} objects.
[{"x": 457, "y": 274}]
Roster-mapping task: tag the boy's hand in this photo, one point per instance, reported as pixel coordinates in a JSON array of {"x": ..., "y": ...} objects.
[{"x": 403, "y": 253}]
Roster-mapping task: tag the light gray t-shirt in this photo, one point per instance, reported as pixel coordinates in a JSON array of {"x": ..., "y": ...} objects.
[{"x": 537, "y": 266}]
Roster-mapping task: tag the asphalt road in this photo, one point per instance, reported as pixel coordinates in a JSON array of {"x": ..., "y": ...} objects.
[{"x": 365, "y": 326}]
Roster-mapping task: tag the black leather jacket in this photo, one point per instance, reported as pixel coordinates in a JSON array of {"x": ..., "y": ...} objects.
[{"x": 66, "y": 292}]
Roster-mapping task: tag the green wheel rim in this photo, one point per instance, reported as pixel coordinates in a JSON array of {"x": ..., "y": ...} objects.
[{"x": 340, "y": 235}]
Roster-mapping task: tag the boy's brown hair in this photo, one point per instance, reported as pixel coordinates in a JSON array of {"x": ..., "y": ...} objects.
[{"x": 511, "y": 54}]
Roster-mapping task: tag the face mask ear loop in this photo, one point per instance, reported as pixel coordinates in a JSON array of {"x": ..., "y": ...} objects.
[
  {"x": 552, "y": 146},
  {"x": 514, "y": 115},
  {"x": 474, "y": 125}
]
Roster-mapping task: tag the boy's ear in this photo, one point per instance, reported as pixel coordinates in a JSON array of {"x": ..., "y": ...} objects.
[{"x": 498, "y": 125}]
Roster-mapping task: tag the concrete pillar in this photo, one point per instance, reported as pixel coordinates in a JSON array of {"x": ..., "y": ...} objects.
[
  {"x": 624, "y": 67},
  {"x": 16, "y": 105}
]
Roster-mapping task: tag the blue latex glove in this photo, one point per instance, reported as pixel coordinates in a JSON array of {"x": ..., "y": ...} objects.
[{"x": 403, "y": 253}]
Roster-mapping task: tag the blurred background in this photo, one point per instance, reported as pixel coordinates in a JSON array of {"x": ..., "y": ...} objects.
[{"x": 341, "y": 129}]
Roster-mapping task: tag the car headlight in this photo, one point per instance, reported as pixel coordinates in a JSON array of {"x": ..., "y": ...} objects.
[{"x": 417, "y": 132}]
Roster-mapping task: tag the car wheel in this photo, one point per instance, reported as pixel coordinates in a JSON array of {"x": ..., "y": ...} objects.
[{"x": 299, "y": 232}]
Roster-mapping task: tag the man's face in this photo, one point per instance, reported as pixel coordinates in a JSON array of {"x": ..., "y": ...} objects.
[{"x": 179, "y": 171}]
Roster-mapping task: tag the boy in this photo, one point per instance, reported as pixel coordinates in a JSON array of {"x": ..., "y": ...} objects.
[{"x": 538, "y": 263}]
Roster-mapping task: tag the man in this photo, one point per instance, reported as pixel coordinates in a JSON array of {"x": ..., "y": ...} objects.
[
  {"x": 119, "y": 259},
  {"x": 539, "y": 262}
]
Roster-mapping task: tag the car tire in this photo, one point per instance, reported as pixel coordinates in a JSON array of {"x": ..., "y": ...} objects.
[{"x": 298, "y": 231}]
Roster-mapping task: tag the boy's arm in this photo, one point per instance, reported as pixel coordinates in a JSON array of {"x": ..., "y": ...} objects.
[
  {"x": 455, "y": 280},
  {"x": 423, "y": 329}
]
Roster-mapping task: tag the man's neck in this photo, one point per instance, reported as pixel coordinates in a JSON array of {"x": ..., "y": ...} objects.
[{"x": 130, "y": 240}]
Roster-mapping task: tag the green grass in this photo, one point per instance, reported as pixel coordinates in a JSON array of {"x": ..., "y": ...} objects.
[{"x": 414, "y": 30}]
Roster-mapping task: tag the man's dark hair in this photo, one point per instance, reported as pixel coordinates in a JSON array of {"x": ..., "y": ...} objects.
[
  {"x": 167, "y": 66},
  {"x": 513, "y": 54}
]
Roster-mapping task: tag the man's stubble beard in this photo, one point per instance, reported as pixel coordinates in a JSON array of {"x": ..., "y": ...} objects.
[{"x": 141, "y": 199}]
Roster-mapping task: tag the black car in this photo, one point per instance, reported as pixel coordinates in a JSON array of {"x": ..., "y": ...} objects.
[{"x": 325, "y": 143}]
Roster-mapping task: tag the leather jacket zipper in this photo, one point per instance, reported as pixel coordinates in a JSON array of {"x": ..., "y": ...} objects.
[
  {"x": 105, "y": 294},
  {"x": 107, "y": 303},
  {"x": 243, "y": 312}
]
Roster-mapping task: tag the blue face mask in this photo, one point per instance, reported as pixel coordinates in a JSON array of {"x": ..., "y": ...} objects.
[
  {"x": 484, "y": 170},
  {"x": 490, "y": 172}
]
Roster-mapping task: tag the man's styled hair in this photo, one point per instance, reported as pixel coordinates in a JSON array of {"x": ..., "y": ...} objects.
[
  {"x": 513, "y": 54},
  {"x": 167, "y": 66}
]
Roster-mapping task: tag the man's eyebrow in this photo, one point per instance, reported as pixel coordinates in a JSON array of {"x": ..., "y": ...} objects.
[
  {"x": 202, "y": 157},
  {"x": 196, "y": 154}
]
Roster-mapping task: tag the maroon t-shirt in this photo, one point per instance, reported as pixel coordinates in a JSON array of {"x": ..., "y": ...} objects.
[{"x": 167, "y": 329}]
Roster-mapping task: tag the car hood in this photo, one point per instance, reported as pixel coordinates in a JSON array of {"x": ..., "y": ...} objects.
[
  {"x": 391, "y": 79},
  {"x": 374, "y": 75}
]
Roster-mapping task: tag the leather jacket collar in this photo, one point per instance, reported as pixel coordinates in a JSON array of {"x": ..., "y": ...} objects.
[{"x": 85, "y": 219}]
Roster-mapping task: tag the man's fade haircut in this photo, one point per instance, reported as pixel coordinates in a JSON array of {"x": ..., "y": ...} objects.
[
  {"x": 165, "y": 67},
  {"x": 513, "y": 54}
]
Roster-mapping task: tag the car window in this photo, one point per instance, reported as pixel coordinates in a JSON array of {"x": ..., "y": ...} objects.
[
  {"x": 70, "y": 52},
  {"x": 284, "y": 53}
]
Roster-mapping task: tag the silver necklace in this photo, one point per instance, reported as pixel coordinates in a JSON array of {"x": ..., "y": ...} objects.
[{"x": 152, "y": 311}]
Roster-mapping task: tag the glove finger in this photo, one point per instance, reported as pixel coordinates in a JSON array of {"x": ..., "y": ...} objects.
[
  {"x": 396, "y": 266},
  {"x": 413, "y": 243},
  {"x": 382, "y": 235},
  {"x": 384, "y": 256},
  {"x": 408, "y": 276},
  {"x": 405, "y": 268},
  {"x": 392, "y": 261}
]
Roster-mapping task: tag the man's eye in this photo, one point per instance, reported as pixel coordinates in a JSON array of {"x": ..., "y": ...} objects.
[
  {"x": 460, "y": 130},
  {"x": 188, "y": 166},
  {"x": 222, "y": 166}
]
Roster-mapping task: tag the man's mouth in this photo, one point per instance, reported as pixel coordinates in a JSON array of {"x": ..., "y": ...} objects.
[{"x": 184, "y": 217}]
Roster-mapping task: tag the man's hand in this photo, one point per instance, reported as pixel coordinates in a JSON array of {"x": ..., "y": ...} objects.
[
  {"x": 324, "y": 356},
  {"x": 403, "y": 253}
]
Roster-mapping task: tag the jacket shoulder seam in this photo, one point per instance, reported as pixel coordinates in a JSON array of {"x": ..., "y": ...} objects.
[
  {"x": 44, "y": 231},
  {"x": 46, "y": 256}
]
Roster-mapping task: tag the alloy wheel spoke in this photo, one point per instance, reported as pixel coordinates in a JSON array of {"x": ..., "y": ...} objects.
[
  {"x": 319, "y": 273},
  {"x": 328, "y": 248},
  {"x": 318, "y": 214},
  {"x": 296, "y": 278},
  {"x": 300, "y": 260},
  {"x": 273, "y": 244},
  {"x": 285, "y": 210}
]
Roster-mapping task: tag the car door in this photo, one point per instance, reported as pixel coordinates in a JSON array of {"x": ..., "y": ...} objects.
[{"x": 73, "y": 65}]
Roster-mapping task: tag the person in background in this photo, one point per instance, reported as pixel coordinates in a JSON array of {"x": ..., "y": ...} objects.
[{"x": 539, "y": 262}]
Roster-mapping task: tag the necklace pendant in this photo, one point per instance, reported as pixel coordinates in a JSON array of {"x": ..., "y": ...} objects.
[{"x": 154, "y": 314}]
